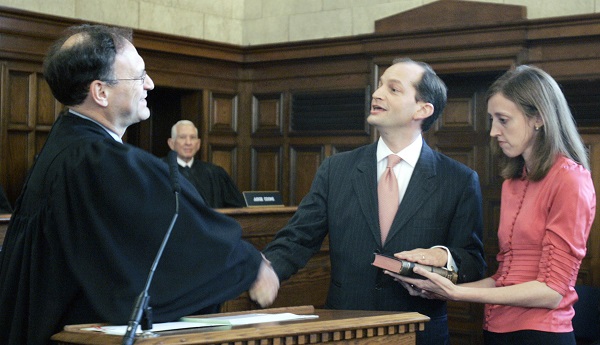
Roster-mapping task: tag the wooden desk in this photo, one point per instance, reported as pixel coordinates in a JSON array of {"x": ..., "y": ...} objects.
[
  {"x": 260, "y": 224},
  {"x": 332, "y": 327}
]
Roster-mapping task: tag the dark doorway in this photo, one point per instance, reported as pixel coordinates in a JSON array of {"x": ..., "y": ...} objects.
[{"x": 167, "y": 106}]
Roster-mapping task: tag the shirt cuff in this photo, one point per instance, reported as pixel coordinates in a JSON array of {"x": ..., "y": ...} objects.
[{"x": 450, "y": 264}]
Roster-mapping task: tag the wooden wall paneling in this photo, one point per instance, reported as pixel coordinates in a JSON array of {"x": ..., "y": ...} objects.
[
  {"x": 225, "y": 157},
  {"x": 267, "y": 168},
  {"x": 337, "y": 148},
  {"x": 176, "y": 68},
  {"x": 313, "y": 278},
  {"x": 220, "y": 136},
  {"x": 267, "y": 130},
  {"x": 274, "y": 72},
  {"x": 28, "y": 110},
  {"x": 243, "y": 138},
  {"x": 318, "y": 75},
  {"x": 304, "y": 162},
  {"x": 191, "y": 107},
  {"x": 566, "y": 47},
  {"x": 273, "y": 86},
  {"x": 444, "y": 14},
  {"x": 267, "y": 114},
  {"x": 223, "y": 113}
]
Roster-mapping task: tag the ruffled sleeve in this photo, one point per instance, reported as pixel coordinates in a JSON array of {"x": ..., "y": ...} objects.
[{"x": 570, "y": 216}]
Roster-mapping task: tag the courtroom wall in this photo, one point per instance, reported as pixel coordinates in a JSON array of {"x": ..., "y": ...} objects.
[
  {"x": 250, "y": 102},
  {"x": 253, "y": 22}
]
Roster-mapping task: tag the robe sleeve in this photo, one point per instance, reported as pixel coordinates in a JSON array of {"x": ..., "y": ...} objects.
[{"x": 114, "y": 204}]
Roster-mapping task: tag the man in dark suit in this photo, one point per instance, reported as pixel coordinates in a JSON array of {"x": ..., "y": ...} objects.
[
  {"x": 438, "y": 221},
  {"x": 212, "y": 182}
]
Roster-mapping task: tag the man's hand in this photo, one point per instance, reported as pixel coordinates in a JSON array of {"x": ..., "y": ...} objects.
[
  {"x": 437, "y": 257},
  {"x": 264, "y": 289}
]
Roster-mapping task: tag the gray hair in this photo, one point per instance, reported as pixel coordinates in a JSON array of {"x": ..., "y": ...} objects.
[{"x": 181, "y": 122}]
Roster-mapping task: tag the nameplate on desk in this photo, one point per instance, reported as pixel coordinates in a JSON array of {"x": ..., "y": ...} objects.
[{"x": 260, "y": 198}]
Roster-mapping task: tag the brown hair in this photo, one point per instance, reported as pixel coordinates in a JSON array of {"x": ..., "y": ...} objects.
[{"x": 536, "y": 93}]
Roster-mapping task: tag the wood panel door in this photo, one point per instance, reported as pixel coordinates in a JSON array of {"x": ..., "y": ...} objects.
[{"x": 27, "y": 113}]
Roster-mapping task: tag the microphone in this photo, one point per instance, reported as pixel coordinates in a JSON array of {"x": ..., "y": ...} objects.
[
  {"x": 174, "y": 171},
  {"x": 141, "y": 303}
]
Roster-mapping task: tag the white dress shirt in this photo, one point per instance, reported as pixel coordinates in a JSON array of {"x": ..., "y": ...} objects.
[{"x": 183, "y": 163}]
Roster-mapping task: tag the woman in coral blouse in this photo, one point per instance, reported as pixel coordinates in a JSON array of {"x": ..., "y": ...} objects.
[{"x": 547, "y": 208}]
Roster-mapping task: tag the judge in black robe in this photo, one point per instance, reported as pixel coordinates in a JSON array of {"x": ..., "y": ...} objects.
[
  {"x": 212, "y": 181},
  {"x": 87, "y": 228},
  {"x": 94, "y": 211}
]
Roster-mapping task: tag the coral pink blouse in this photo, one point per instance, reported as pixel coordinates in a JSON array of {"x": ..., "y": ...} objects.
[{"x": 542, "y": 235}]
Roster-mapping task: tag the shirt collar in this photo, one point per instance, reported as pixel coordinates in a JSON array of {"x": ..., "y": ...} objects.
[
  {"x": 112, "y": 134},
  {"x": 409, "y": 154},
  {"x": 184, "y": 163}
]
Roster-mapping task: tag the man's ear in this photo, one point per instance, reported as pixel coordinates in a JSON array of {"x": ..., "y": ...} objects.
[
  {"x": 99, "y": 92},
  {"x": 425, "y": 111},
  {"x": 171, "y": 143}
]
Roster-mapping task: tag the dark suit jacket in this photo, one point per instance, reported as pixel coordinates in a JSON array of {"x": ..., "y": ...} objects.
[{"x": 442, "y": 206}]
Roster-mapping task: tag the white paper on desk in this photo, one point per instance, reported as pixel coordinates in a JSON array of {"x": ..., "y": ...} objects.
[
  {"x": 157, "y": 327},
  {"x": 247, "y": 319}
]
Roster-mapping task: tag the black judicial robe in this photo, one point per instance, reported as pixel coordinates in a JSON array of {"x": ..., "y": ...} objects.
[
  {"x": 214, "y": 184},
  {"x": 4, "y": 204},
  {"x": 86, "y": 229}
]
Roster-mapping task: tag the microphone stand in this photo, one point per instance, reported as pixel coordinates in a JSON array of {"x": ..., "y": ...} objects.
[{"x": 141, "y": 303}]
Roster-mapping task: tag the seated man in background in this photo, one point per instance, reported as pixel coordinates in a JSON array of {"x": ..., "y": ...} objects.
[{"x": 212, "y": 182}]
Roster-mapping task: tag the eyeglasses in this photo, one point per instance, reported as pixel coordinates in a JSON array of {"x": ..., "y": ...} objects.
[{"x": 142, "y": 78}]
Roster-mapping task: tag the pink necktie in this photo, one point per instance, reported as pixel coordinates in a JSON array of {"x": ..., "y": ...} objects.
[{"x": 387, "y": 193}]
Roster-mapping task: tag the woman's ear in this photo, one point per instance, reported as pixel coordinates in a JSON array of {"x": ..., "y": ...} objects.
[{"x": 539, "y": 123}]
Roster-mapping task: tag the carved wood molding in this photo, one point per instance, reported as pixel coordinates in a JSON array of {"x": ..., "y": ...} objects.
[{"x": 454, "y": 35}]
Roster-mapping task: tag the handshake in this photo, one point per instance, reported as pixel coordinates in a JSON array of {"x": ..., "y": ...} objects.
[{"x": 264, "y": 289}]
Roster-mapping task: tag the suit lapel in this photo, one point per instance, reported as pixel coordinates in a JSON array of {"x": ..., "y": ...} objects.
[
  {"x": 364, "y": 183},
  {"x": 419, "y": 190}
]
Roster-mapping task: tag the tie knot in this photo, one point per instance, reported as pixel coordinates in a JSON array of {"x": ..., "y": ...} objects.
[{"x": 393, "y": 160}]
